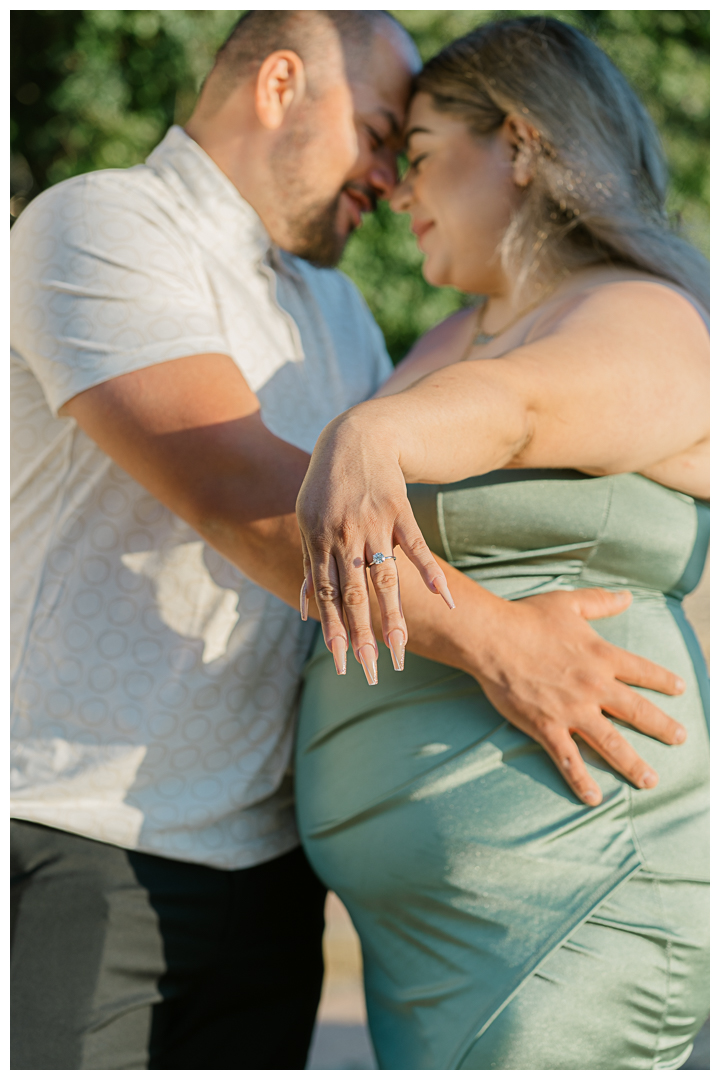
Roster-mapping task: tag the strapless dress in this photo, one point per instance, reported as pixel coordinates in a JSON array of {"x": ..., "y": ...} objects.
[{"x": 505, "y": 925}]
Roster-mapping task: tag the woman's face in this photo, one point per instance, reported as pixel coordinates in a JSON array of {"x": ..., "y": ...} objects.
[{"x": 461, "y": 194}]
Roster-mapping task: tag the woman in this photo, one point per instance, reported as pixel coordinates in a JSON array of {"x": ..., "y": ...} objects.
[{"x": 557, "y": 436}]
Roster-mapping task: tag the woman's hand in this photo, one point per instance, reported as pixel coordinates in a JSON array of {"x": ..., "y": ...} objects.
[{"x": 353, "y": 504}]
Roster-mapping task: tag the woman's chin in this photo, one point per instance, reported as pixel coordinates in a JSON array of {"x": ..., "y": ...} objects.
[
  {"x": 434, "y": 273},
  {"x": 442, "y": 276}
]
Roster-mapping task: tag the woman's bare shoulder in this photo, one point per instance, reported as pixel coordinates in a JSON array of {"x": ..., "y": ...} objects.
[
  {"x": 444, "y": 344},
  {"x": 621, "y": 303}
]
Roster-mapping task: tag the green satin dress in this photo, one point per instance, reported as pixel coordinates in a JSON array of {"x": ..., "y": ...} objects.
[{"x": 505, "y": 925}]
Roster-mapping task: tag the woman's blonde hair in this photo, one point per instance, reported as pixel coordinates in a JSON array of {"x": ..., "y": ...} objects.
[{"x": 598, "y": 193}]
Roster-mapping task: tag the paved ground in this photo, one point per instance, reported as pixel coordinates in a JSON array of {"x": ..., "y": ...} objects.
[{"x": 341, "y": 1040}]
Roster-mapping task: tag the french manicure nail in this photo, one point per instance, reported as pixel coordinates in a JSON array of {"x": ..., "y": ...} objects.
[
  {"x": 304, "y": 601},
  {"x": 338, "y": 646},
  {"x": 648, "y": 779},
  {"x": 441, "y": 586},
  {"x": 396, "y": 641},
  {"x": 366, "y": 655},
  {"x": 680, "y": 735}
]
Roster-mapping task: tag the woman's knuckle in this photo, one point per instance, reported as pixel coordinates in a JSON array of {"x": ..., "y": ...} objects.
[
  {"x": 327, "y": 593},
  {"x": 385, "y": 580},
  {"x": 418, "y": 546},
  {"x": 354, "y": 596},
  {"x": 345, "y": 531},
  {"x": 317, "y": 541}
]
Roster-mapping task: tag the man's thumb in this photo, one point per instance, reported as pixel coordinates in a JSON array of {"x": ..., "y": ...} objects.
[{"x": 600, "y": 604}]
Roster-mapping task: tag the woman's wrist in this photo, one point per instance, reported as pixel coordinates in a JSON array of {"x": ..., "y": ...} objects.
[
  {"x": 383, "y": 428},
  {"x": 397, "y": 423}
]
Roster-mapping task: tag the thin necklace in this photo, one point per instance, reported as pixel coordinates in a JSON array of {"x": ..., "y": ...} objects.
[{"x": 481, "y": 338}]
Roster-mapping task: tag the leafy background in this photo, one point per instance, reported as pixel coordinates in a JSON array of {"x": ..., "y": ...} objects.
[{"x": 98, "y": 89}]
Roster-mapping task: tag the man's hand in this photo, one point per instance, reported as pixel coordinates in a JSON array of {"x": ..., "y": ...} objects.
[
  {"x": 546, "y": 670},
  {"x": 551, "y": 675}
]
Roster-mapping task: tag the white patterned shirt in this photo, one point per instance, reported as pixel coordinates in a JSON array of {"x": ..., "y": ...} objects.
[{"x": 153, "y": 683}]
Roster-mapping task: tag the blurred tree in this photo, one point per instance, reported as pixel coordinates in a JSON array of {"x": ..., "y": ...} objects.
[{"x": 98, "y": 89}]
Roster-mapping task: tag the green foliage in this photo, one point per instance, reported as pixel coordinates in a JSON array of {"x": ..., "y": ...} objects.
[{"x": 98, "y": 89}]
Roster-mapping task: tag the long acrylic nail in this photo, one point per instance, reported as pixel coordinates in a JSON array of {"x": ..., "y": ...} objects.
[
  {"x": 338, "y": 646},
  {"x": 366, "y": 655},
  {"x": 396, "y": 641},
  {"x": 304, "y": 601},
  {"x": 441, "y": 585},
  {"x": 648, "y": 779}
]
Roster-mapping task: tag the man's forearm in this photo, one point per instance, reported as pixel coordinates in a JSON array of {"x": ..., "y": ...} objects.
[{"x": 269, "y": 552}]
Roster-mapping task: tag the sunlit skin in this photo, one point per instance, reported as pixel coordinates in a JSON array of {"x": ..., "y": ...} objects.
[
  {"x": 607, "y": 374},
  {"x": 349, "y": 135},
  {"x": 191, "y": 433},
  {"x": 461, "y": 191},
  {"x": 458, "y": 235}
]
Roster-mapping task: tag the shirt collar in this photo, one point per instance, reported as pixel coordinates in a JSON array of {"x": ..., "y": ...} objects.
[{"x": 195, "y": 177}]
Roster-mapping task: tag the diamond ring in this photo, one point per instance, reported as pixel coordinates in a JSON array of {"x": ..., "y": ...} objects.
[{"x": 378, "y": 558}]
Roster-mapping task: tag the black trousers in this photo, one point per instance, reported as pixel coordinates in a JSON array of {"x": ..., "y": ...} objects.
[{"x": 128, "y": 961}]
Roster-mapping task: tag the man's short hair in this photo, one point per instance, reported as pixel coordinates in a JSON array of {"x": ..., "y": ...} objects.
[{"x": 257, "y": 34}]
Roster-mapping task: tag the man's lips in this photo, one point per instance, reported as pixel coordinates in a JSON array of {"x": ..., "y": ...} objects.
[{"x": 358, "y": 203}]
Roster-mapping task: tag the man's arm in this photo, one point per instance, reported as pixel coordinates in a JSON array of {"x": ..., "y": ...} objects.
[{"x": 189, "y": 430}]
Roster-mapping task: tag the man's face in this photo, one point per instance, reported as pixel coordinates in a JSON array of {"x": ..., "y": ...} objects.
[{"x": 339, "y": 158}]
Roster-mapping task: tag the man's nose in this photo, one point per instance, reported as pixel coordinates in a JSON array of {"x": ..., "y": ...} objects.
[
  {"x": 383, "y": 176},
  {"x": 400, "y": 197}
]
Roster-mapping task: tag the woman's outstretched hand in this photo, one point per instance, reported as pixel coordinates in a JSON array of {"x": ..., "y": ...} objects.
[{"x": 352, "y": 506}]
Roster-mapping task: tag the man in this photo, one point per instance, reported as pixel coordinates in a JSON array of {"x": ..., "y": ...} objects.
[{"x": 173, "y": 365}]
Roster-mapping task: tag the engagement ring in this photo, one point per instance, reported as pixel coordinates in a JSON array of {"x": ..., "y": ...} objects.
[{"x": 379, "y": 558}]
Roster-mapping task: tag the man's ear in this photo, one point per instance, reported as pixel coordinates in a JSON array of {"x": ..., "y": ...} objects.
[
  {"x": 524, "y": 140},
  {"x": 281, "y": 82}
]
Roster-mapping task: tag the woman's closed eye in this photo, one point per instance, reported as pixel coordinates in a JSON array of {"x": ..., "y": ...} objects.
[{"x": 413, "y": 163}]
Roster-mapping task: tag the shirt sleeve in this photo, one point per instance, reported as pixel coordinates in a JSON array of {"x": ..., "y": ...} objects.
[
  {"x": 103, "y": 283},
  {"x": 381, "y": 366}
]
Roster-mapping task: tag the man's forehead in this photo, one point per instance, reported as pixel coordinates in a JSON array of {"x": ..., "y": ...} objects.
[
  {"x": 386, "y": 94},
  {"x": 385, "y": 81},
  {"x": 389, "y": 110}
]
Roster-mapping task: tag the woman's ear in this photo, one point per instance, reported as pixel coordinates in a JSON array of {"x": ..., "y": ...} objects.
[
  {"x": 280, "y": 83},
  {"x": 524, "y": 140}
]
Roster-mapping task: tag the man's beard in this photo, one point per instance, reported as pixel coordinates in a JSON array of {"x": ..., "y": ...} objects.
[
  {"x": 315, "y": 235},
  {"x": 312, "y": 224}
]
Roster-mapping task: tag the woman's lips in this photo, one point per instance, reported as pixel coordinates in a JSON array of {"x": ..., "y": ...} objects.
[{"x": 421, "y": 228}]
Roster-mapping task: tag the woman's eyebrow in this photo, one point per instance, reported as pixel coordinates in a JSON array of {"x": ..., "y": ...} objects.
[{"x": 416, "y": 131}]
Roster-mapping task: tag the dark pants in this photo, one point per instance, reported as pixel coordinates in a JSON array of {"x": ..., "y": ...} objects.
[{"x": 128, "y": 961}]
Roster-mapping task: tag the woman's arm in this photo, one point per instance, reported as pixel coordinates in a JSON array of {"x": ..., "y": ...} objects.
[{"x": 618, "y": 383}]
